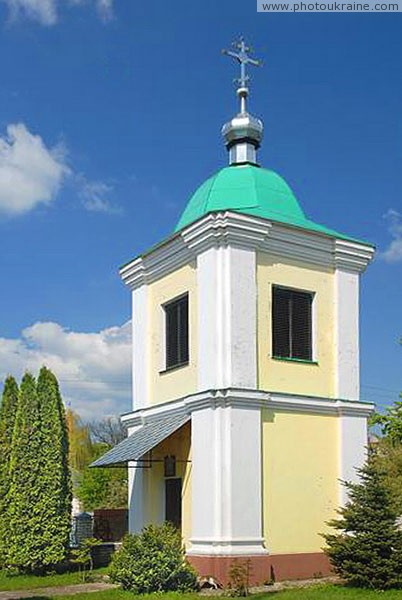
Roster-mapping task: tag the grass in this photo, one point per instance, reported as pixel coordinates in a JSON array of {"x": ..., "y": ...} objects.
[
  {"x": 116, "y": 594},
  {"x": 329, "y": 592},
  {"x": 317, "y": 592},
  {"x": 30, "y": 582}
]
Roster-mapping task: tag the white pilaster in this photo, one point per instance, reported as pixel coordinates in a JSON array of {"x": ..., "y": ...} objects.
[
  {"x": 136, "y": 508},
  {"x": 227, "y": 313},
  {"x": 347, "y": 335},
  {"x": 226, "y": 481},
  {"x": 353, "y": 440},
  {"x": 140, "y": 349}
]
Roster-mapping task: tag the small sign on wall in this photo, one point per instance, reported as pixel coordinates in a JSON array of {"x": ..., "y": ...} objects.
[{"x": 170, "y": 466}]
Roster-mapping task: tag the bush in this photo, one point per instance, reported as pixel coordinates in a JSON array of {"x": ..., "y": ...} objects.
[
  {"x": 82, "y": 557},
  {"x": 239, "y": 578},
  {"x": 153, "y": 561}
]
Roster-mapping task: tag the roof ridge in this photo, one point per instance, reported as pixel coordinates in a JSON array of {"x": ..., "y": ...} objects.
[{"x": 213, "y": 178}]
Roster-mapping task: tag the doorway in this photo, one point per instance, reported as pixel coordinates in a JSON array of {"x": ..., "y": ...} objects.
[{"x": 173, "y": 501}]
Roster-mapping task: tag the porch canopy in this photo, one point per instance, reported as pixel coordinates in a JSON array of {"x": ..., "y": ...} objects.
[{"x": 141, "y": 441}]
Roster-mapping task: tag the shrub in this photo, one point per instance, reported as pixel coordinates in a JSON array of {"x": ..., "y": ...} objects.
[
  {"x": 153, "y": 561},
  {"x": 82, "y": 556},
  {"x": 239, "y": 578}
]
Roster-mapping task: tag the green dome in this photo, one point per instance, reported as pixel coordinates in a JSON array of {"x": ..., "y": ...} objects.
[{"x": 249, "y": 190}]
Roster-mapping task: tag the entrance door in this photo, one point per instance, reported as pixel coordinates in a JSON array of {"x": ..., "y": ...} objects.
[{"x": 173, "y": 501}]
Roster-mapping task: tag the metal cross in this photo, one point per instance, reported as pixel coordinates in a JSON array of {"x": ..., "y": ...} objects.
[{"x": 244, "y": 59}]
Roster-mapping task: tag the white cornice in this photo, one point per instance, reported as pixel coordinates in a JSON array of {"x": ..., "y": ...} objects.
[
  {"x": 249, "y": 399},
  {"x": 164, "y": 259},
  {"x": 352, "y": 256},
  {"x": 234, "y": 229},
  {"x": 224, "y": 229}
]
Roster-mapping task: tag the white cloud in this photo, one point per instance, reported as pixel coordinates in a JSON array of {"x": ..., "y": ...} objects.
[
  {"x": 46, "y": 12},
  {"x": 105, "y": 9},
  {"x": 30, "y": 172},
  {"x": 95, "y": 195},
  {"x": 394, "y": 251},
  {"x": 93, "y": 369},
  {"x": 43, "y": 11}
]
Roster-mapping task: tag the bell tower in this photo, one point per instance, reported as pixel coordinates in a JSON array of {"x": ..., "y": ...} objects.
[{"x": 246, "y": 403}]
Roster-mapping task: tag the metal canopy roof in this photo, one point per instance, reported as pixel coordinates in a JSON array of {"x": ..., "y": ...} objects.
[{"x": 141, "y": 441}]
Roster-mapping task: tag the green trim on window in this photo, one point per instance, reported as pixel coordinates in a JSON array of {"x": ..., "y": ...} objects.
[
  {"x": 174, "y": 367},
  {"x": 296, "y": 360}
]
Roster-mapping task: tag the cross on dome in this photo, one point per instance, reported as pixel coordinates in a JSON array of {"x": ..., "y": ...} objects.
[
  {"x": 243, "y": 133},
  {"x": 243, "y": 58}
]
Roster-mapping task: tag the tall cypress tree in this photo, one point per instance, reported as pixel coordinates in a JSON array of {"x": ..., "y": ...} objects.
[
  {"x": 367, "y": 548},
  {"x": 55, "y": 474},
  {"x": 24, "y": 513},
  {"x": 8, "y": 410}
]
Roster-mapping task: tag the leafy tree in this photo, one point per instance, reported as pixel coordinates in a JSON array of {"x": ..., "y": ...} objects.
[
  {"x": 80, "y": 447},
  {"x": 99, "y": 488},
  {"x": 367, "y": 548},
  {"x": 109, "y": 430},
  {"x": 390, "y": 423},
  {"x": 54, "y": 473},
  {"x": 25, "y": 549},
  {"x": 8, "y": 410},
  {"x": 102, "y": 488},
  {"x": 389, "y": 461},
  {"x": 389, "y": 450}
]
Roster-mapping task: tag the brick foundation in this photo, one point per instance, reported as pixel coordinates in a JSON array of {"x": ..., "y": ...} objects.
[{"x": 266, "y": 568}]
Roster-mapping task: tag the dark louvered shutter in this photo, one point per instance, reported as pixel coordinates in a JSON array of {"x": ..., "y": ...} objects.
[
  {"x": 280, "y": 322},
  {"x": 182, "y": 333},
  {"x": 301, "y": 325},
  {"x": 172, "y": 347},
  {"x": 291, "y": 324},
  {"x": 177, "y": 332}
]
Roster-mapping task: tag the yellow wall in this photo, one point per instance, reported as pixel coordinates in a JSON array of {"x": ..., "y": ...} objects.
[
  {"x": 178, "y": 445},
  {"x": 292, "y": 377},
  {"x": 172, "y": 384},
  {"x": 300, "y": 479}
]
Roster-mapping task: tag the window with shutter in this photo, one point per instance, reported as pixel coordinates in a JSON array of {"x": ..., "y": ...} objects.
[
  {"x": 176, "y": 326},
  {"x": 291, "y": 324}
]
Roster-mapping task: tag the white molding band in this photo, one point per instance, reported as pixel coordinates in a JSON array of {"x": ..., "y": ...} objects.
[
  {"x": 243, "y": 231},
  {"x": 250, "y": 398}
]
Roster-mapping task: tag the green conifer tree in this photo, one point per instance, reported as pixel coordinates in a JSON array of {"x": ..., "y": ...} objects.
[
  {"x": 25, "y": 542},
  {"x": 39, "y": 497},
  {"x": 55, "y": 474},
  {"x": 8, "y": 410},
  {"x": 367, "y": 549}
]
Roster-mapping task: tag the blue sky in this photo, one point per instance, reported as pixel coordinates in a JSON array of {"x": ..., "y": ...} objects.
[{"x": 110, "y": 116}]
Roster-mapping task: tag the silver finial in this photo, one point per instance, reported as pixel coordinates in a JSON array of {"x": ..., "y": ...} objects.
[
  {"x": 243, "y": 133},
  {"x": 243, "y": 59}
]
